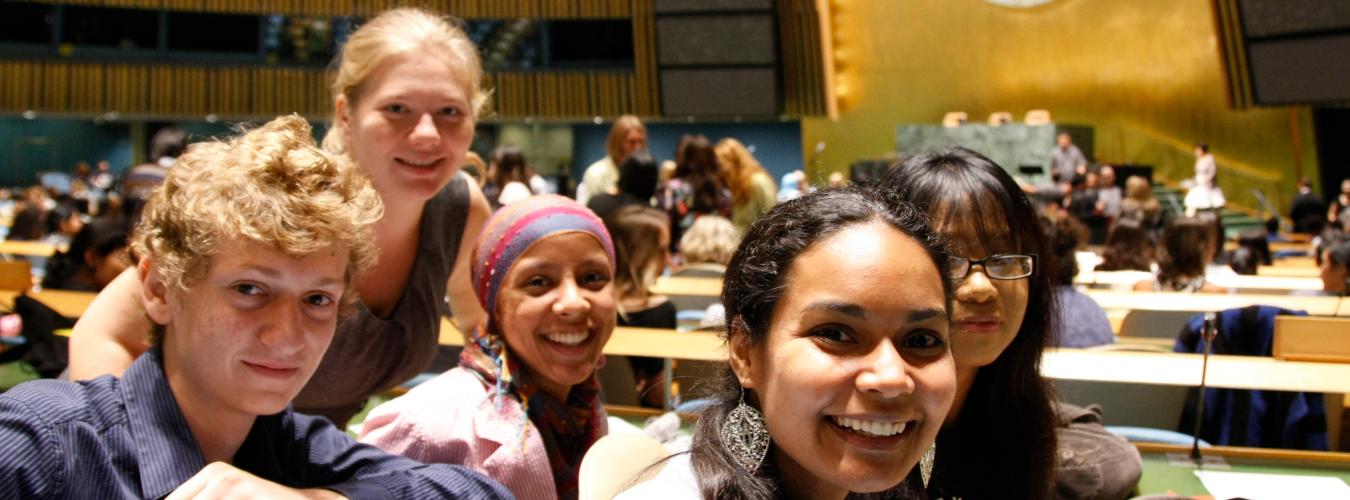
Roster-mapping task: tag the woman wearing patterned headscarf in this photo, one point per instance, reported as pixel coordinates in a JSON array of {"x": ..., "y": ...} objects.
[{"x": 523, "y": 405}]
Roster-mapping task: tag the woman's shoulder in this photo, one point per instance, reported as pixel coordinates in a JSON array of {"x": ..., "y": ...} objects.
[
  {"x": 1091, "y": 462},
  {"x": 436, "y": 410},
  {"x": 676, "y": 480}
]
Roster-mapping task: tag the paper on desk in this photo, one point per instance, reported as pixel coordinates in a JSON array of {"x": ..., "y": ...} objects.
[{"x": 1223, "y": 485}]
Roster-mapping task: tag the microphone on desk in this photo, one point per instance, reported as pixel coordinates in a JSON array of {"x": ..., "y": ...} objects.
[{"x": 1208, "y": 331}]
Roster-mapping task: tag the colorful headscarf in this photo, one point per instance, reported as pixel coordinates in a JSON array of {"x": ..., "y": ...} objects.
[
  {"x": 516, "y": 227},
  {"x": 567, "y": 428}
]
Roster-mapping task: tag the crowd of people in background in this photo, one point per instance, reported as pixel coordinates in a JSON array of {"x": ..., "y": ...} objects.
[{"x": 537, "y": 282}]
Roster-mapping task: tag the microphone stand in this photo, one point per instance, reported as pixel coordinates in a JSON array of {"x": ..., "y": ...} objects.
[{"x": 1207, "y": 334}]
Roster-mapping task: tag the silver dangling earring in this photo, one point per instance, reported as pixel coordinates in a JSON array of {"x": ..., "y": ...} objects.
[
  {"x": 745, "y": 436},
  {"x": 926, "y": 463}
]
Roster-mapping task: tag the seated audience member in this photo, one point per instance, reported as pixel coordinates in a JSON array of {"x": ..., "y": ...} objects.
[
  {"x": 1140, "y": 205},
  {"x": 96, "y": 256},
  {"x": 475, "y": 167},
  {"x": 707, "y": 247},
  {"x": 636, "y": 186},
  {"x": 523, "y": 405},
  {"x": 641, "y": 242},
  {"x": 1007, "y": 436},
  {"x": 63, "y": 222},
  {"x": 752, "y": 189},
  {"x": 1184, "y": 251},
  {"x": 30, "y": 215},
  {"x": 1109, "y": 195},
  {"x": 1128, "y": 248},
  {"x": 1253, "y": 250},
  {"x": 509, "y": 176},
  {"x": 247, "y": 251},
  {"x": 627, "y": 136},
  {"x": 1308, "y": 210},
  {"x": 839, "y": 380},
  {"x": 1335, "y": 266},
  {"x": 1082, "y": 323},
  {"x": 1338, "y": 211},
  {"x": 697, "y": 188}
]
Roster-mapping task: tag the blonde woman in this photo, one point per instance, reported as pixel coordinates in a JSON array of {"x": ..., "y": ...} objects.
[
  {"x": 628, "y": 136},
  {"x": 752, "y": 189},
  {"x": 406, "y": 96}
]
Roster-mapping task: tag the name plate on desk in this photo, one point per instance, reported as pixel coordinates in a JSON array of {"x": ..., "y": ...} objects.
[{"x": 1304, "y": 338}]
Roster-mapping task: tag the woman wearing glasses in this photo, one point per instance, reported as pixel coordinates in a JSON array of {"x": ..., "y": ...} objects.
[{"x": 1001, "y": 438}]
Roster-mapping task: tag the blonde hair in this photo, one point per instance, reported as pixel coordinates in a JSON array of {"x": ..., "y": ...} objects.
[
  {"x": 270, "y": 185},
  {"x": 636, "y": 230},
  {"x": 711, "y": 238},
  {"x": 738, "y": 166},
  {"x": 397, "y": 32},
  {"x": 619, "y": 133}
]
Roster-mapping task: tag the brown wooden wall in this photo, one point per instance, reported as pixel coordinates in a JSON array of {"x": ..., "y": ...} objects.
[
  {"x": 467, "y": 9},
  {"x": 249, "y": 92}
]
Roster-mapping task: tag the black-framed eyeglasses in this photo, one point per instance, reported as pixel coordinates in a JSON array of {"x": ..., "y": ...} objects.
[{"x": 999, "y": 267}]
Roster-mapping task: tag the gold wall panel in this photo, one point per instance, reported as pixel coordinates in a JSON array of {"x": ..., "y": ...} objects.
[
  {"x": 1147, "y": 74},
  {"x": 800, "y": 54},
  {"x": 16, "y": 85}
]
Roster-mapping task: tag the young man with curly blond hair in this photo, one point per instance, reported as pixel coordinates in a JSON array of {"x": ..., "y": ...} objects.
[{"x": 248, "y": 252}]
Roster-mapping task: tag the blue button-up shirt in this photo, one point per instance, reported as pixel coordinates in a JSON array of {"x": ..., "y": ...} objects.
[{"x": 111, "y": 438}]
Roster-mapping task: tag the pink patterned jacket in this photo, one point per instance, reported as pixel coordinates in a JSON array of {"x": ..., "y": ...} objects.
[{"x": 454, "y": 419}]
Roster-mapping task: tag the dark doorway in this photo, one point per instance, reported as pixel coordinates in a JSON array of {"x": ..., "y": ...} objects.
[{"x": 1332, "y": 127}]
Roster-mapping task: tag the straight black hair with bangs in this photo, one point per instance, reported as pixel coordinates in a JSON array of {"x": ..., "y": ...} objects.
[{"x": 1002, "y": 445}]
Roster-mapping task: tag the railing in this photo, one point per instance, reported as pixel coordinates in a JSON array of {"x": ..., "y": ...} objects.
[{"x": 1174, "y": 159}]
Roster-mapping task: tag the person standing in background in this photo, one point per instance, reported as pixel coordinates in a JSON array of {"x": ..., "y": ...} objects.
[
  {"x": 1204, "y": 194},
  {"x": 752, "y": 189},
  {"x": 1307, "y": 209},
  {"x": 1066, "y": 159},
  {"x": 1339, "y": 213},
  {"x": 1109, "y": 195},
  {"x": 627, "y": 136}
]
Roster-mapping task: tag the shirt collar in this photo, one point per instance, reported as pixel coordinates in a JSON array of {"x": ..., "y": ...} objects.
[{"x": 167, "y": 453}]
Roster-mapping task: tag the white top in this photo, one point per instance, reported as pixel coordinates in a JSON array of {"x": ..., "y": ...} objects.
[
  {"x": 601, "y": 177},
  {"x": 513, "y": 192},
  {"x": 1205, "y": 170},
  {"x": 675, "y": 481}
]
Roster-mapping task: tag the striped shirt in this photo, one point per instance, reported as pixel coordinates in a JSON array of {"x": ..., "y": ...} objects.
[{"x": 110, "y": 438}]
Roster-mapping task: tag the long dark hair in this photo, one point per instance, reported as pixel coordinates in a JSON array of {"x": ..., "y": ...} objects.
[
  {"x": 755, "y": 282},
  {"x": 1184, "y": 248},
  {"x": 509, "y": 165},
  {"x": 1128, "y": 247},
  {"x": 699, "y": 169},
  {"x": 1002, "y": 444},
  {"x": 70, "y": 270}
]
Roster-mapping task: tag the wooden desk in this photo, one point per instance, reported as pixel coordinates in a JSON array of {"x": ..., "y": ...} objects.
[
  {"x": 1277, "y": 246},
  {"x": 1232, "y": 372},
  {"x": 1174, "y": 301},
  {"x": 68, "y": 303},
  {"x": 1237, "y": 372},
  {"x": 699, "y": 287},
  {"x": 1160, "y": 476},
  {"x": 1271, "y": 283},
  {"x": 629, "y": 341},
  {"x": 1297, "y": 262},
  {"x": 1289, "y": 271},
  {"x": 27, "y": 248}
]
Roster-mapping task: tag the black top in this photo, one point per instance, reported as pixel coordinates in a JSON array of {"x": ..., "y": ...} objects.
[
  {"x": 661, "y": 316},
  {"x": 604, "y": 204}
]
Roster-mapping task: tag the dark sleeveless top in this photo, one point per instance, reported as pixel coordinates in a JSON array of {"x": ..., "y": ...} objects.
[{"x": 370, "y": 354}]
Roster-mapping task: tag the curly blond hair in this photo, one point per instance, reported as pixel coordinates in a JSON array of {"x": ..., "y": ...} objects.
[
  {"x": 401, "y": 31},
  {"x": 271, "y": 185},
  {"x": 710, "y": 239},
  {"x": 738, "y": 166}
]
